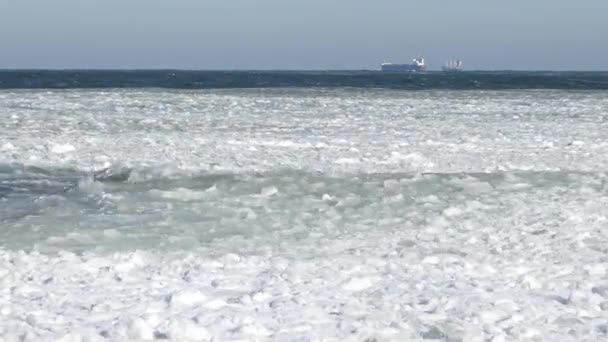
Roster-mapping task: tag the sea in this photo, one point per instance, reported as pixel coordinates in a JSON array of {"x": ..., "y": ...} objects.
[{"x": 303, "y": 206}]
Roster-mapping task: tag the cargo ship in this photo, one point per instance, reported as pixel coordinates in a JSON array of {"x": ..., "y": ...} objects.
[
  {"x": 452, "y": 66},
  {"x": 417, "y": 65}
]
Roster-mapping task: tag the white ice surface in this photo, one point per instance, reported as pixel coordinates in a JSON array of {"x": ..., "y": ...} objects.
[
  {"x": 303, "y": 215},
  {"x": 332, "y": 130}
]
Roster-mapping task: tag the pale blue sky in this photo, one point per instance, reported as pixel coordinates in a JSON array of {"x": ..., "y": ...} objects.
[{"x": 298, "y": 34}]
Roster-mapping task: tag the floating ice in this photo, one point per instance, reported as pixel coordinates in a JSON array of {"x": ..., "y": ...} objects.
[
  {"x": 180, "y": 194},
  {"x": 358, "y": 284},
  {"x": 62, "y": 148},
  {"x": 300, "y": 214},
  {"x": 7, "y": 147}
]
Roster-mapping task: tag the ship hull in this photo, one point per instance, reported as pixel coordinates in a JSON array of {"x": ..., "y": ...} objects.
[
  {"x": 402, "y": 68},
  {"x": 451, "y": 69}
]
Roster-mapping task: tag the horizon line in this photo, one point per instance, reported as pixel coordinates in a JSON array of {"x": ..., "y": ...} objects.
[{"x": 291, "y": 70}]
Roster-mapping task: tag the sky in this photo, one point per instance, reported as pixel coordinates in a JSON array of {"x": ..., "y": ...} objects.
[{"x": 303, "y": 34}]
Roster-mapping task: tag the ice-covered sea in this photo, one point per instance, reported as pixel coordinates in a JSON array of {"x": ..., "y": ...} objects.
[{"x": 303, "y": 215}]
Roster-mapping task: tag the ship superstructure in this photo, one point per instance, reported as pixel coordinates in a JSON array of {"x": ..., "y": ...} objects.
[{"x": 417, "y": 65}]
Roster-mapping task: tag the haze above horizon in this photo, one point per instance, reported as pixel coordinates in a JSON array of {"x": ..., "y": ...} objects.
[{"x": 302, "y": 35}]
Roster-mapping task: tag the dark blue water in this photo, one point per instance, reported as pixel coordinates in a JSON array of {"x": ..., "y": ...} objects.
[{"x": 178, "y": 79}]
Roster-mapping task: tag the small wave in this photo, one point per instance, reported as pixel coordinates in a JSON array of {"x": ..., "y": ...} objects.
[{"x": 112, "y": 174}]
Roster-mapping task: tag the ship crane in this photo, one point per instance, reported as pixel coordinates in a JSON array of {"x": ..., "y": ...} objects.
[{"x": 453, "y": 65}]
